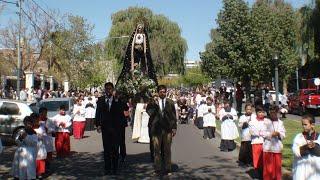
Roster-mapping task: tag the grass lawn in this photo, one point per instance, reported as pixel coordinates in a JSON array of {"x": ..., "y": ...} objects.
[{"x": 292, "y": 128}]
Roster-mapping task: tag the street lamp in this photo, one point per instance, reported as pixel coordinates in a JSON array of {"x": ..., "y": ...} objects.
[{"x": 276, "y": 77}]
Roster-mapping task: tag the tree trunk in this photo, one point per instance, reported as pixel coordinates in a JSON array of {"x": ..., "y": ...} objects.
[{"x": 285, "y": 86}]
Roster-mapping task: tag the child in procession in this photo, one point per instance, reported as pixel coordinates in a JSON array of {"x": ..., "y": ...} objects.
[
  {"x": 24, "y": 161},
  {"x": 48, "y": 139},
  {"x": 62, "y": 122},
  {"x": 229, "y": 130},
  {"x": 245, "y": 153},
  {"x": 40, "y": 129},
  {"x": 256, "y": 129},
  {"x": 272, "y": 145},
  {"x": 79, "y": 120},
  {"x": 209, "y": 119},
  {"x": 306, "y": 150}
]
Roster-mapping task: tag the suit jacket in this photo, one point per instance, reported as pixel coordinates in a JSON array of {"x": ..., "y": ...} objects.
[
  {"x": 165, "y": 120},
  {"x": 109, "y": 120}
]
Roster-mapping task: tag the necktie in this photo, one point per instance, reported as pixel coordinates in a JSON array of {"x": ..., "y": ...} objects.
[
  {"x": 108, "y": 105},
  {"x": 162, "y": 105}
]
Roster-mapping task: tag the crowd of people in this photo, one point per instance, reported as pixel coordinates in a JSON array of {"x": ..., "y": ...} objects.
[
  {"x": 43, "y": 136},
  {"x": 261, "y": 132}
]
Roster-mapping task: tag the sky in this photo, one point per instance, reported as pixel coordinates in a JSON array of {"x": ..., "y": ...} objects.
[{"x": 195, "y": 17}]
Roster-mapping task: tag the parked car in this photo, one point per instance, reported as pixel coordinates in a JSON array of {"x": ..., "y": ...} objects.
[
  {"x": 304, "y": 100},
  {"x": 12, "y": 113},
  {"x": 53, "y": 105}
]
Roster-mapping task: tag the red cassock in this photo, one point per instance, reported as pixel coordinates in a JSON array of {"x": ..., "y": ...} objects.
[
  {"x": 41, "y": 167},
  {"x": 78, "y": 129},
  {"x": 257, "y": 155},
  {"x": 62, "y": 143},
  {"x": 272, "y": 166}
]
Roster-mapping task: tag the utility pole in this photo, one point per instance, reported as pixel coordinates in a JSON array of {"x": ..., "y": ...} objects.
[{"x": 19, "y": 50}]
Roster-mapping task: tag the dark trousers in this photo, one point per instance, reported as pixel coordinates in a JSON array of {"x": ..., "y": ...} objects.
[
  {"x": 208, "y": 132},
  {"x": 89, "y": 124},
  {"x": 151, "y": 145},
  {"x": 239, "y": 106},
  {"x": 245, "y": 153},
  {"x": 123, "y": 150},
  {"x": 111, "y": 149}
]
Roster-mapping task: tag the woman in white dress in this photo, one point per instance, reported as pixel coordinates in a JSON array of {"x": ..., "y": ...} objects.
[
  {"x": 306, "y": 150},
  {"x": 24, "y": 161}
]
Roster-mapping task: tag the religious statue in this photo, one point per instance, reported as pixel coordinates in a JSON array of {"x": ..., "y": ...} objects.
[
  {"x": 138, "y": 50},
  {"x": 138, "y": 73},
  {"x": 138, "y": 80}
]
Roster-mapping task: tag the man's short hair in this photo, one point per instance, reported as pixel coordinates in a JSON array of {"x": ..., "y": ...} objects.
[
  {"x": 109, "y": 84},
  {"x": 62, "y": 107},
  {"x": 43, "y": 109},
  {"x": 160, "y": 87}
]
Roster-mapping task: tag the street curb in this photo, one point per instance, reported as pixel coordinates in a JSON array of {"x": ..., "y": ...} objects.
[{"x": 286, "y": 174}]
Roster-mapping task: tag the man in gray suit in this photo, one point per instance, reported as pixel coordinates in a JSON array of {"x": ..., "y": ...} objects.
[{"x": 163, "y": 124}]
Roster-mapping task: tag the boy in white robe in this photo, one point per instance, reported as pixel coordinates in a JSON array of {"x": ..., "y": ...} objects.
[
  {"x": 40, "y": 129},
  {"x": 306, "y": 150},
  {"x": 229, "y": 130},
  {"x": 257, "y": 128},
  {"x": 272, "y": 145},
  {"x": 245, "y": 153},
  {"x": 62, "y": 122},
  {"x": 209, "y": 119},
  {"x": 48, "y": 139},
  {"x": 24, "y": 161}
]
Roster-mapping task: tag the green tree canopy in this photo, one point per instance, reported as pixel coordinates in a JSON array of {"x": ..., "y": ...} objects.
[
  {"x": 243, "y": 45},
  {"x": 168, "y": 48}
]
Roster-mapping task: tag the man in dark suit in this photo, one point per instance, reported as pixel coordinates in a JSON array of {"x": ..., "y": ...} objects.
[
  {"x": 163, "y": 124},
  {"x": 109, "y": 117}
]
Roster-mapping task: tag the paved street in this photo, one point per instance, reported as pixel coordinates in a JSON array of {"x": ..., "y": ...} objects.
[{"x": 193, "y": 157}]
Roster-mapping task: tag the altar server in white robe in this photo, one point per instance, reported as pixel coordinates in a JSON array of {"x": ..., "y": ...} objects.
[
  {"x": 40, "y": 129},
  {"x": 24, "y": 161},
  {"x": 245, "y": 153},
  {"x": 306, "y": 150},
  {"x": 229, "y": 130},
  {"x": 209, "y": 119}
]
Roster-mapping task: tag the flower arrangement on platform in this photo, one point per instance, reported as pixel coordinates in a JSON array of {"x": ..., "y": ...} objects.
[{"x": 137, "y": 84}]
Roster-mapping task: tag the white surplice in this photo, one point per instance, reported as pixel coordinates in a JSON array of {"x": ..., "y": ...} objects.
[
  {"x": 229, "y": 130},
  {"x": 24, "y": 161},
  {"x": 140, "y": 131},
  {"x": 41, "y": 148},
  {"x": 307, "y": 167},
  {"x": 209, "y": 118}
]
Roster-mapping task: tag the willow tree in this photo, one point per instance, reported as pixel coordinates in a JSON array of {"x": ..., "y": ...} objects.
[{"x": 168, "y": 48}]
